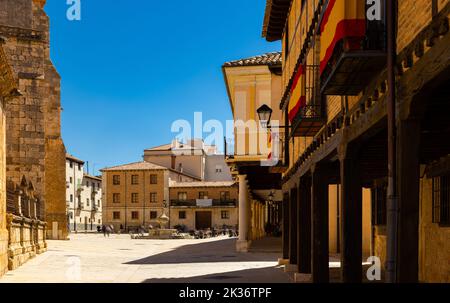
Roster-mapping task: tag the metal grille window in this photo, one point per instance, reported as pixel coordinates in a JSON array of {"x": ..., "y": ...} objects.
[
  {"x": 153, "y": 197},
  {"x": 153, "y": 179},
  {"x": 225, "y": 214},
  {"x": 441, "y": 200},
  {"x": 135, "y": 179},
  {"x": 182, "y": 215},
  {"x": 116, "y": 180},
  {"x": 116, "y": 215},
  {"x": 153, "y": 215},
  {"x": 134, "y": 198}
]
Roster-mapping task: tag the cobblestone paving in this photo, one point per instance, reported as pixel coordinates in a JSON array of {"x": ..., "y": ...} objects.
[{"x": 92, "y": 259}]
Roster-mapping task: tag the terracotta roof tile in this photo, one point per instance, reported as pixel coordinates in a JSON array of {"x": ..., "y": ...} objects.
[
  {"x": 203, "y": 184},
  {"x": 135, "y": 166},
  {"x": 75, "y": 159},
  {"x": 270, "y": 59}
]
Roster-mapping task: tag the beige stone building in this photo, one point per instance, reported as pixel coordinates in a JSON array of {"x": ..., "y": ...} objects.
[
  {"x": 203, "y": 205},
  {"x": 32, "y": 182},
  {"x": 34, "y": 144},
  {"x": 136, "y": 194},
  {"x": 7, "y": 86}
]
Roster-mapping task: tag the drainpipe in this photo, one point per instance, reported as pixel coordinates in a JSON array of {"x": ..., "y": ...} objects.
[
  {"x": 392, "y": 199},
  {"x": 286, "y": 138}
]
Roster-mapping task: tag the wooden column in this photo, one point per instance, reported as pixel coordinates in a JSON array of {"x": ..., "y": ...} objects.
[
  {"x": 304, "y": 226},
  {"x": 285, "y": 225},
  {"x": 293, "y": 227},
  {"x": 408, "y": 193},
  {"x": 351, "y": 216},
  {"x": 319, "y": 211}
]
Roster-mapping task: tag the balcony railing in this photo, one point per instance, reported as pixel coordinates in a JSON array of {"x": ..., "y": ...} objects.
[
  {"x": 80, "y": 188},
  {"x": 194, "y": 203},
  {"x": 309, "y": 120},
  {"x": 356, "y": 58}
]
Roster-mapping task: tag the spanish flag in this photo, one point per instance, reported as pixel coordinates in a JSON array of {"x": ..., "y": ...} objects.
[
  {"x": 298, "y": 95},
  {"x": 269, "y": 145},
  {"x": 342, "y": 19}
]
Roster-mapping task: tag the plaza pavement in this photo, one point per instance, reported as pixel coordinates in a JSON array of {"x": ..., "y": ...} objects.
[{"x": 91, "y": 258}]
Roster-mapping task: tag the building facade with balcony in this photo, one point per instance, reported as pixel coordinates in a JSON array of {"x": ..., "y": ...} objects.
[
  {"x": 338, "y": 97},
  {"x": 250, "y": 82},
  {"x": 83, "y": 197},
  {"x": 136, "y": 195},
  {"x": 256, "y": 158},
  {"x": 204, "y": 205}
]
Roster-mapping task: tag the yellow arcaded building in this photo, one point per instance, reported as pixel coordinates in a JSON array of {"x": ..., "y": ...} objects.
[{"x": 337, "y": 87}]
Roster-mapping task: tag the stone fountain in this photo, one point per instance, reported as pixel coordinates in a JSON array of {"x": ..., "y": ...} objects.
[{"x": 162, "y": 232}]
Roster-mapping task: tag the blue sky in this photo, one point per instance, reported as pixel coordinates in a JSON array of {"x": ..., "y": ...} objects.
[{"x": 131, "y": 68}]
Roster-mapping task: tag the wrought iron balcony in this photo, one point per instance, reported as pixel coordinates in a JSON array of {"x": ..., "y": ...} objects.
[
  {"x": 355, "y": 59},
  {"x": 194, "y": 203},
  {"x": 80, "y": 188},
  {"x": 308, "y": 121},
  {"x": 229, "y": 202}
]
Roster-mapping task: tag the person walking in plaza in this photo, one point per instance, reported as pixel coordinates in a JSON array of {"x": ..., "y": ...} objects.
[
  {"x": 104, "y": 230},
  {"x": 108, "y": 230}
]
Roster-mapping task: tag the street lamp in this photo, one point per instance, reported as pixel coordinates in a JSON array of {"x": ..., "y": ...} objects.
[{"x": 264, "y": 114}]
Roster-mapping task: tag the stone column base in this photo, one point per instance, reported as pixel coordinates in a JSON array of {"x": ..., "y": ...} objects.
[
  {"x": 41, "y": 248},
  {"x": 302, "y": 278},
  {"x": 282, "y": 262},
  {"x": 3, "y": 252},
  {"x": 243, "y": 246},
  {"x": 290, "y": 268},
  {"x": 18, "y": 258}
]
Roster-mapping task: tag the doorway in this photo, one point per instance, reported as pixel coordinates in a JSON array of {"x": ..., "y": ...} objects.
[{"x": 203, "y": 220}]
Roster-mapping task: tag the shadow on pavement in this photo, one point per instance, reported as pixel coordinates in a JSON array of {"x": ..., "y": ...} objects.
[
  {"x": 257, "y": 275},
  {"x": 208, "y": 252}
]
